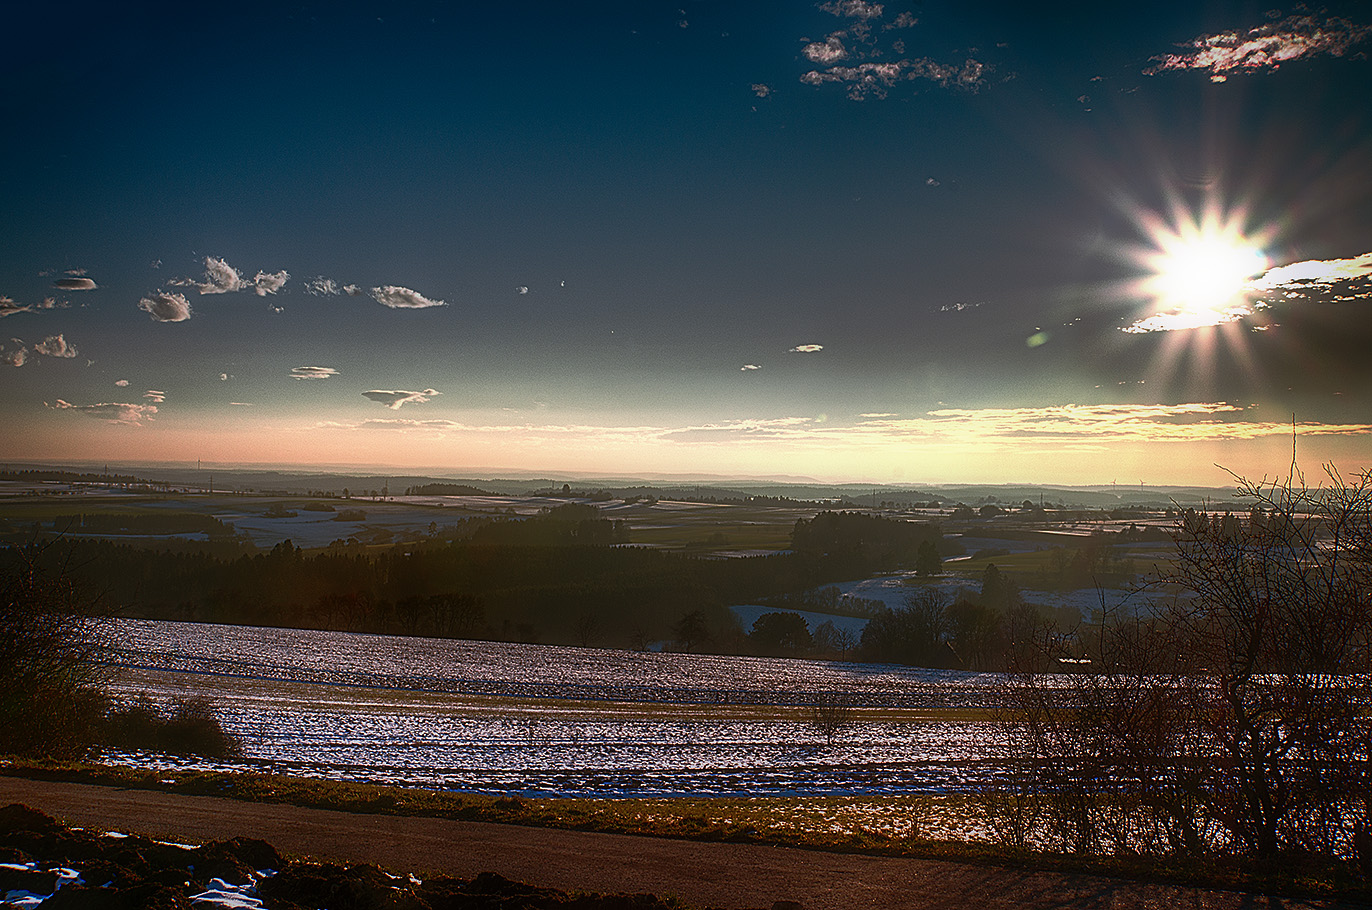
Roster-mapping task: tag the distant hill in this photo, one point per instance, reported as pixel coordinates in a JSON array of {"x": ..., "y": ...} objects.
[{"x": 715, "y": 489}]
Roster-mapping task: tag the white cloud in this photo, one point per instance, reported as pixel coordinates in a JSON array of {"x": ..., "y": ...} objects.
[
  {"x": 52, "y": 303},
  {"x": 958, "y": 307},
  {"x": 521, "y": 290},
  {"x": 241, "y": 404},
  {"x": 165, "y": 307},
  {"x": 224, "y": 377},
  {"x": 806, "y": 349},
  {"x": 903, "y": 20},
  {"x": 395, "y": 398},
  {"x": 750, "y": 366},
  {"x": 402, "y": 298},
  {"x": 761, "y": 89},
  {"x": 155, "y": 396},
  {"x": 75, "y": 284},
  {"x": 269, "y": 283},
  {"x": 112, "y": 411},
  {"x": 222, "y": 278},
  {"x": 932, "y": 181},
  {"x": 313, "y": 372},
  {"x": 830, "y": 50},
  {"x": 1315, "y": 273},
  {"x": 14, "y": 358},
  {"x": 1264, "y": 48},
  {"x": 55, "y": 346},
  {"x": 352, "y": 290},
  {"x": 122, "y": 383},
  {"x": 320, "y": 286}
]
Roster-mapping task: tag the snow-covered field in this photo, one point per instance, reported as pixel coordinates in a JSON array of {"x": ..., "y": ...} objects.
[{"x": 508, "y": 718}]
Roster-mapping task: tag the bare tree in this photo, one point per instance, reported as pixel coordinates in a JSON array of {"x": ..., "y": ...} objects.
[{"x": 1230, "y": 718}]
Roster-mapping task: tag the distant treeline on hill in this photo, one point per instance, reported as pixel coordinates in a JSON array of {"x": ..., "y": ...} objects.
[
  {"x": 42, "y": 476},
  {"x": 145, "y": 523},
  {"x": 552, "y": 578},
  {"x": 446, "y": 489}
]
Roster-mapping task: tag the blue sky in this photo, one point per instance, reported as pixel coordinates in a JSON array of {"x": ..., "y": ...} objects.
[{"x": 846, "y": 240}]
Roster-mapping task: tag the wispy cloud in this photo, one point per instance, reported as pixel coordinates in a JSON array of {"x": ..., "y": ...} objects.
[
  {"x": 75, "y": 284},
  {"x": 870, "y": 63},
  {"x": 1311, "y": 281},
  {"x": 155, "y": 396},
  {"x": 352, "y": 290},
  {"x": 875, "y": 80},
  {"x": 806, "y": 349},
  {"x": 1264, "y": 48},
  {"x": 165, "y": 307},
  {"x": 1069, "y": 427},
  {"x": 111, "y": 411},
  {"x": 402, "y": 298},
  {"x": 14, "y": 358},
  {"x": 826, "y": 52},
  {"x": 397, "y": 423},
  {"x": 313, "y": 372},
  {"x": 1091, "y": 425},
  {"x": 396, "y": 398},
  {"x": 761, "y": 89},
  {"x": 55, "y": 346},
  {"x": 122, "y": 383},
  {"x": 853, "y": 9},
  {"x": 749, "y": 367},
  {"x": 320, "y": 286},
  {"x": 8, "y": 307},
  {"x": 265, "y": 283}
]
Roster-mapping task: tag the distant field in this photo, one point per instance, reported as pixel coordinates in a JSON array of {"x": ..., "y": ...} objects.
[
  {"x": 702, "y": 529},
  {"x": 699, "y": 528}
]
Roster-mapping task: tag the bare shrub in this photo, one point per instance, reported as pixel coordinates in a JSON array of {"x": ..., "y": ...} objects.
[
  {"x": 50, "y": 698},
  {"x": 830, "y": 714},
  {"x": 187, "y": 727}
]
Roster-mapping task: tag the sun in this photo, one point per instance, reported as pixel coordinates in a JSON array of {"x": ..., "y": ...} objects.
[
  {"x": 1198, "y": 273},
  {"x": 1207, "y": 271}
]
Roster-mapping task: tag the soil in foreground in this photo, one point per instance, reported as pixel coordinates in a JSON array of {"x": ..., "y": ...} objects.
[{"x": 45, "y": 863}]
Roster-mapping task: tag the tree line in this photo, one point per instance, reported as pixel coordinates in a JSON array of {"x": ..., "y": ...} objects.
[{"x": 561, "y": 577}]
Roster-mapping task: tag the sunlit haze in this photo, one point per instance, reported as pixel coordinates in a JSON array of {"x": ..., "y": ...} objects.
[{"x": 845, "y": 241}]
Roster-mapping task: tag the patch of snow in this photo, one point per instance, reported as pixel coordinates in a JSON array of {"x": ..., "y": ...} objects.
[{"x": 222, "y": 894}]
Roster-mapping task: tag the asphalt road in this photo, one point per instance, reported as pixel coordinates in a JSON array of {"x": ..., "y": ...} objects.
[{"x": 701, "y": 874}]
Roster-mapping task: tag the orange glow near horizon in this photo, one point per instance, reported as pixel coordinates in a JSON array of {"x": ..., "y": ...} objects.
[{"x": 1067, "y": 445}]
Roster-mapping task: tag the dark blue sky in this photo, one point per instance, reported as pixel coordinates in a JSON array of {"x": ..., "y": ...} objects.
[{"x": 967, "y": 210}]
